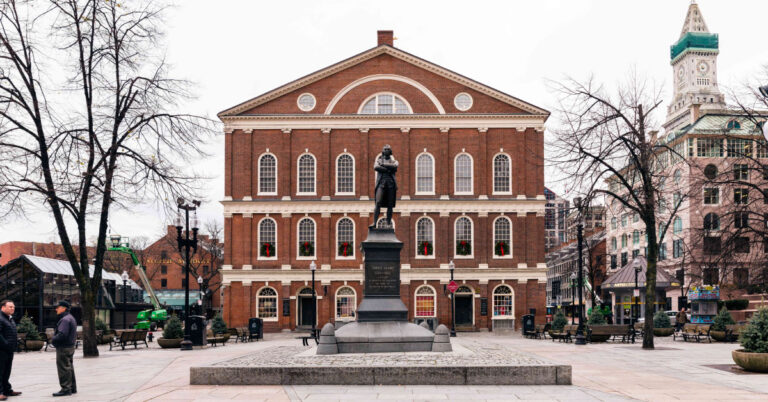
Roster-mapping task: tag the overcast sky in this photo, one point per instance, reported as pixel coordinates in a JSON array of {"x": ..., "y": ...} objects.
[{"x": 235, "y": 50}]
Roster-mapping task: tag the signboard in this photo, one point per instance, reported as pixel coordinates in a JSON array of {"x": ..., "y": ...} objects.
[
  {"x": 484, "y": 306},
  {"x": 382, "y": 278},
  {"x": 286, "y": 307},
  {"x": 636, "y": 292},
  {"x": 453, "y": 286}
]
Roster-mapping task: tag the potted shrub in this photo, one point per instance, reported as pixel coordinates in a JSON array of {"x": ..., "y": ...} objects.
[
  {"x": 33, "y": 340},
  {"x": 596, "y": 317},
  {"x": 172, "y": 334},
  {"x": 722, "y": 319},
  {"x": 754, "y": 340},
  {"x": 219, "y": 327},
  {"x": 661, "y": 324},
  {"x": 559, "y": 322},
  {"x": 106, "y": 334}
]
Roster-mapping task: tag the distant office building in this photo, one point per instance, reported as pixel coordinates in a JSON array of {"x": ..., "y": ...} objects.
[{"x": 556, "y": 211}]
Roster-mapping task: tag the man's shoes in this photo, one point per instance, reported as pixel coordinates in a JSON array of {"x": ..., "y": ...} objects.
[
  {"x": 74, "y": 391},
  {"x": 62, "y": 393},
  {"x": 13, "y": 393},
  {"x": 3, "y": 397}
]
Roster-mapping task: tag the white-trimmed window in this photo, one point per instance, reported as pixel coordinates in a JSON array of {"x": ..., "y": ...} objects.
[
  {"x": 346, "y": 303},
  {"x": 677, "y": 225},
  {"x": 425, "y": 174},
  {"x": 306, "y": 174},
  {"x": 502, "y": 238},
  {"x": 503, "y": 302},
  {"x": 711, "y": 222},
  {"x": 382, "y": 223},
  {"x": 267, "y": 239},
  {"x": 345, "y": 174},
  {"x": 425, "y": 301},
  {"x": 266, "y": 304},
  {"x": 425, "y": 235},
  {"x": 463, "y": 174},
  {"x": 267, "y": 175},
  {"x": 502, "y": 174},
  {"x": 385, "y": 103},
  {"x": 463, "y": 234},
  {"x": 345, "y": 239},
  {"x": 306, "y": 246},
  {"x": 711, "y": 196}
]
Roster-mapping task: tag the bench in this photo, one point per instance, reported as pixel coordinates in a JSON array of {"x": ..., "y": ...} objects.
[
  {"x": 696, "y": 332},
  {"x": 541, "y": 330},
  {"x": 312, "y": 335},
  {"x": 566, "y": 335},
  {"x": 732, "y": 332},
  {"x": 216, "y": 339},
  {"x": 602, "y": 333},
  {"x": 127, "y": 337}
]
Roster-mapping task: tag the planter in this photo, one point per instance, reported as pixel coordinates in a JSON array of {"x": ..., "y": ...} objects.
[
  {"x": 34, "y": 345},
  {"x": 719, "y": 336},
  {"x": 169, "y": 343},
  {"x": 751, "y": 361},
  {"x": 663, "y": 331}
]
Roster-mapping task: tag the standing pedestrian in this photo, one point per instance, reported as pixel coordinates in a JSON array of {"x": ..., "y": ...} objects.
[
  {"x": 680, "y": 320},
  {"x": 64, "y": 340},
  {"x": 8, "y": 340}
]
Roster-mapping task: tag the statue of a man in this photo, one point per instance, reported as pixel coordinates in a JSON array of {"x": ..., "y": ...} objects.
[{"x": 385, "y": 191}]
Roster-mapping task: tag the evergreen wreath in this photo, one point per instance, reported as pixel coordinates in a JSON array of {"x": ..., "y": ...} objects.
[
  {"x": 425, "y": 248},
  {"x": 306, "y": 249},
  {"x": 502, "y": 248},
  {"x": 267, "y": 250},
  {"x": 346, "y": 249},
  {"x": 463, "y": 247}
]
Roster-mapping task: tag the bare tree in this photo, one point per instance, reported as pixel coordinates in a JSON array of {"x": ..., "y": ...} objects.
[
  {"x": 607, "y": 146},
  {"x": 104, "y": 135}
]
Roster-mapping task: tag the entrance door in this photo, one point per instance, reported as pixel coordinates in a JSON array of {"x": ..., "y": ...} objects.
[
  {"x": 463, "y": 310},
  {"x": 306, "y": 311}
]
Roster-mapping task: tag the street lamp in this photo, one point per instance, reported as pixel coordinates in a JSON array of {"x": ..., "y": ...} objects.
[
  {"x": 638, "y": 268},
  {"x": 202, "y": 294},
  {"x": 580, "y": 339},
  {"x": 573, "y": 298},
  {"x": 125, "y": 305},
  {"x": 313, "y": 268},
  {"x": 452, "y": 267},
  {"x": 187, "y": 244}
]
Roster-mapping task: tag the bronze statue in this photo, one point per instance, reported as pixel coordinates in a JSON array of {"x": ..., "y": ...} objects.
[{"x": 385, "y": 192}]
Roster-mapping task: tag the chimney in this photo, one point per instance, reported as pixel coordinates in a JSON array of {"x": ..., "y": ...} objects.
[
  {"x": 386, "y": 38},
  {"x": 695, "y": 112}
]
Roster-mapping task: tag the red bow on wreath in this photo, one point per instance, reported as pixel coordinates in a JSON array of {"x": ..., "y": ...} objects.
[
  {"x": 345, "y": 244},
  {"x": 266, "y": 246}
]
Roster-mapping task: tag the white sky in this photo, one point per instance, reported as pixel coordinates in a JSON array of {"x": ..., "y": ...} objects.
[{"x": 235, "y": 50}]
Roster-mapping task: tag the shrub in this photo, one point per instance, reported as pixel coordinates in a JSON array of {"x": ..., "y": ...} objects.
[
  {"x": 737, "y": 304},
  {"x": 722, "y": 319},
  {"x": 26, "y": 326},
  {"x": 661, "y": 320},
  {"x": 596, "y": 318},
  {"x": 560, "y": 321},
  {"x": 218, "y": 326},
  {"x": 101, "y": 325},
  {"x": 172, "y": 329},
  {"x": 754, "y": 337}
]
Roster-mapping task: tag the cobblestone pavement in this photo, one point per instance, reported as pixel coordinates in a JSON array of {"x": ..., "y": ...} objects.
[{"x": 612, "y": 371}]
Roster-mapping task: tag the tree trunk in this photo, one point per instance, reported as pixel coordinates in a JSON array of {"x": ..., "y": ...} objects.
[
  {"x": 90, "y": 343},
  {"x": 650, "y": 284}
]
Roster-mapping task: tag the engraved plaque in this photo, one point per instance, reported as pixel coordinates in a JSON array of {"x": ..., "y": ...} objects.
[{"x": 382, "y": 278}]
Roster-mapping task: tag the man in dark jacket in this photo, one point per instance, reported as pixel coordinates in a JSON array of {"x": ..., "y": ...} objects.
[
  {"x": 64, "y": 340},
  {"x": 8, "y": 340}
]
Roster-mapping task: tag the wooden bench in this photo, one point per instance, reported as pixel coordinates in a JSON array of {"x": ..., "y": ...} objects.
[
  {"x": 130, "y": 337},
  {"x": 21, "y": 342},
  {"x": 541, "y": 330},
  {"x": 602, "y": 333},
  {"x": 566, "y": 335},
  {"x": 696, "y": 332},
  {"x": 216, "y": 339},
  {"x": 732, "y": 332},
  {"x": 312, "y": 335}
]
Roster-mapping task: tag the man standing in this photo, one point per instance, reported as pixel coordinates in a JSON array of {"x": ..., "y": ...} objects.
[
  {"x": 8, "y": 339},
  {"x": 64, "y": 340},
  {"x": 681, "y": 319}
]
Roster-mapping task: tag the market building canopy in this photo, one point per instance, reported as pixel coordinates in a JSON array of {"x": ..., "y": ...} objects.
[
  {"x": 625, "y": 278},
  {"x": 61, "y": 267}
]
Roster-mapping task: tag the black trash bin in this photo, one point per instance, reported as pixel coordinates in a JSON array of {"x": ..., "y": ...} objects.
[
  {"x": 529, "y": 325},
  {"x": 255, "y": 328},
  {"x": 197, "y": 330}
]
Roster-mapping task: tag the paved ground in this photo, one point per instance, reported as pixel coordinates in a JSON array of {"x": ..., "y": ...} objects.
[{"x": 614, "y": 371}]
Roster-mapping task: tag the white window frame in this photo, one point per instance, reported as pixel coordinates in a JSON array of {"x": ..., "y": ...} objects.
[
  {"x": 384, "y": 218},
  {"x": 471, "y": 175},
  {"x": 471, "y": 242},
  {"x": 493, "y": 169},
  {"x": 434, "y": 246},
  {"x": 277, "y": 182},
  {"x": 353, "y": 174},
  {"x": 298, "y": 175},
  {"x": 395, "y": 95},
  {"x": 493, "y": 250},
  {"x": 336, "y": 244},
  {"x": 493, "y": 303},
  {"x": 336, "y": 303},
  {"x": 719, "y": 195},
  {"x": 434, "y": 301},
  {"x": 456, "y": 99},
  {"x": 258, "y": 302},
  {"x": 417, "y": 174},
  {"x": 258, "y": 239},
  {"x": 298, "y": 102},
  {"x": 314, "y": 239}
]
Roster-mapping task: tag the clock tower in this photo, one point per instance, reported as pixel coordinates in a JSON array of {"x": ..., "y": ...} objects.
[{"x": 694, "y": 65}]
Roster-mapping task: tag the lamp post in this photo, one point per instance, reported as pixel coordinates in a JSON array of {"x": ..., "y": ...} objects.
[
  {"x": 573, "y": 298},
  {"x": 638, "y": 268},
  {"x": 580, "y": 339},
  {"x": 313, "y": 268},
  {"x": 201, "y": 292},
  {"x": 452, "y": 267},
  {"x": 186, "y": 243},
  {"x": 125, "y": 305}
]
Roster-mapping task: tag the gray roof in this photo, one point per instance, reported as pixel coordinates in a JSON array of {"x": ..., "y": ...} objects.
[
  {"x": 61, "y": 267},
  {"x": 625, "y": 278}
]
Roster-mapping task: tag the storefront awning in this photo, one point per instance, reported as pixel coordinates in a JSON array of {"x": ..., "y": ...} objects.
[{"x": 625, "y": 278}]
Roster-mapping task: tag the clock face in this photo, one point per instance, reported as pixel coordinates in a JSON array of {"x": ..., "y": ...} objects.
[{"x": 703, "y": 67}]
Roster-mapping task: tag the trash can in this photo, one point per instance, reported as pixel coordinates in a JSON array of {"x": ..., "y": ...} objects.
[
  {"x": 255, "y": 328},
  {"x": 529, "y": 325},
  {"x": 197, "y": 330}
]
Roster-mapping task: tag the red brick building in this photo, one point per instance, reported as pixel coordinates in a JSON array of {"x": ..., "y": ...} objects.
[{"x": 299, "y": 185}]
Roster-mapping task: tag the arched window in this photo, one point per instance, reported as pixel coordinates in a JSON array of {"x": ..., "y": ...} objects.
[
  {"x": 502, "y": 174},
  {"x": 425, "y": 174},
  {"x": 677, "y": 225},
  {"x": 678, "y": 175},
  {"x": 306, "y": 174},
  {"x": 502, "y": 237},
  {"x": 267, "y": 174},
  {"x": 614, "y": 223},
  {"x": 711, "y": 221},
  {"x": 345, "y": 238},
  {"x": 503, "y": 302},
  {"x": 624, "y": 240},
  {"x": 463, "y": 233},
  {"x": 613, "y": 243},
  {"x": 425, "y": 234},
  {"x": 385, "y": 104},
  {"x": 267, "y": 239},
  {"x": 382, "y": 223},
  {"x": 345, "y": 174},
  {"x": 346, "y": 303},
  {"x": 426, "y": 301},
  {"x": 463, "y": 174},
  {"x": 636, "y": 237},
  {"x": 306, "y": 246},
  {"x": 266, "y": 304}
]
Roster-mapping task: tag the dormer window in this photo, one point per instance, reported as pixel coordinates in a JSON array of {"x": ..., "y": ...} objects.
[
  {"x": 385, "y": 104},
  {"x": 733, "y": 125}
]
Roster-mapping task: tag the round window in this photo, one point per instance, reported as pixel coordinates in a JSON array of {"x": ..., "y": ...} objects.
[
  {"x": 710, "y": 172},
  {"x": 462, "y": 101},
  {"x": 306, "y": 102}
]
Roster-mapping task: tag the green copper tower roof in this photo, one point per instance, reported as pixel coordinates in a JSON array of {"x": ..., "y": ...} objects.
[{"x": 695, "y": 41}]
